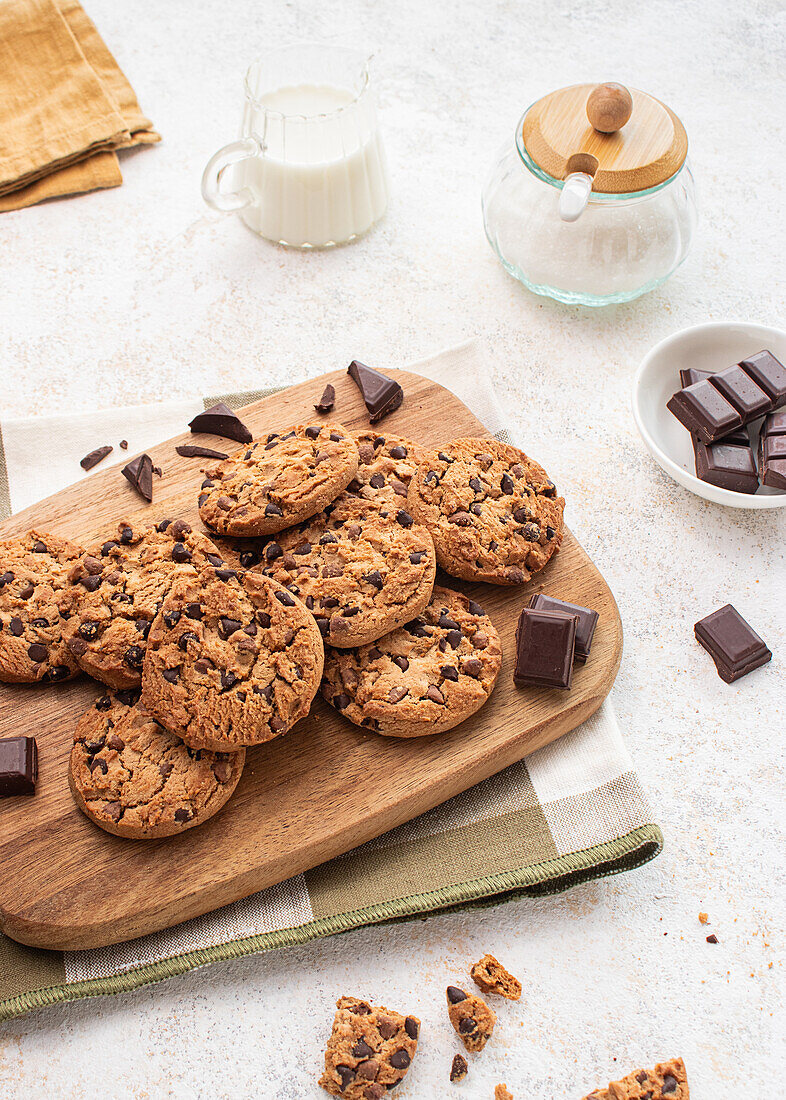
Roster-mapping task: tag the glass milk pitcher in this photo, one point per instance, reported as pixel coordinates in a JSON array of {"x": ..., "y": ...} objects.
[
  {"x": 309, "y": 170},
  {"x": 593, "y": 201}
]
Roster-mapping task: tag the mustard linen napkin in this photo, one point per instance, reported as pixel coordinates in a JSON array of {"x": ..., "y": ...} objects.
[{"x": 65, "y": 105}]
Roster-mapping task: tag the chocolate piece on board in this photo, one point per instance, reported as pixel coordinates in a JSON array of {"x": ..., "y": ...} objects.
[
  {"x": 769, "y": 374},
  {"x": 18, "y": 766},
  {"x": 193, "y": 450},
  {"x": 327, "y": 400},
  {"x": 381, "y": 394},
  {"x": 139, "y": 472},
  {"x": 728, "y": 464},
  {"x": 733, "y": 645},
  {"x": 221, "y": 420},
  {"x": 545, "y": 645},
  {"x": 585, "y": 631},
  {"x": 704, "y": 411},
  {"x": 96, "y": 456}
]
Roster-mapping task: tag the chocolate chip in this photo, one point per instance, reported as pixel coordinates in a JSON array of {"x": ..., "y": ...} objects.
[
  {"x": 550, "y": 533},
  {"x": 182, "y": 814},
  {"x": 171, "y": 675},
  {"x": 377, "y": 481},
  {"x": 228, "y": 679},
  {"x": 341, "y": 702},
  {"x": 40, "y": 547},
  {"x": 549, "y": 489},
  {"x": 448, "y": 672},
  {"x": 181, "y": 553},
  {"x": 227, "y": 627},
  {"x": 472, "y": 666},
  {"x": 417, "y": 557},
  {"x": 263, "y": 619},
  {"x": 444, "y": 458},
  {"x": 92, "y": 583},
  {"x": 266, "y": 692},
  {"x": 346, "y": 1076},
  {"x": 224, "y": 503},
  {"x": 128, "y": 696},
  {"x": 475, "y": 608},
  {"x": 368, "y": 1070},
  {"x": 143, "y": 627},
  {"x": 26, "y": 592},
  {"x": 411, "y": 1027},
  {"x": 375, "y": 579},
  {"x": 227, "y": 574},
  {"x": 399, "y": 1059},
  {"x": 37, "y": 653},
  {"x": 327, "y": 538},
  {"x": 387, "y": 1027},
  {"x": 398, "y": 451},
  {"x": 453, "y": 638},
  {"x": 506, "y": 484},
  {"x": 16, "y": 627},
  {"x": 165, "y": 768},
  {"x": 192, "y": 611},
  {"x": 302, "y": 548},
  {"x": 171, "y": 618},
  {"x": 531, "y": 532},
  {"x": 455, "y": 994},
  {"x": 431, "y": 478},
  {"x": 520, "y": 515},
  {"x": 404, "y": 518},
  {"x": 58, "y": 672},
  {"x": 40, "y": 623},
  {"x": 362, "y": 1050},
  {"x": 435, "y": 695},
  {"x": 468, "y": 1025},
  {"x": 186, "y": 637},
  {"x": 116, "y": 743},
  {"x": 475, "y": 509},
  {"x": 277, "y": 725},
  {"x": 285, "y": 599},
  {"x": 6, "y": 579},
  {"x": 103, "y": 702},
  {"x": 134, "y": 657},
  {"x": 447, "y": 623},
  {"x": 396, "y": 694},
  {"x": 476, "y": 485},
  {"x": 416, "y": 628},
  {"x": 669, "y": 1084},
  {"x": 202, "y": 666},
  {"x": 273, "y": 510},
  {"x": 402, "y": 663},
  {"x": 461, "y": 519},
  {"x": 99, "y": 763}
]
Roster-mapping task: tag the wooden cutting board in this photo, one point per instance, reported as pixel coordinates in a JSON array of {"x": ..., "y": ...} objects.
[{"x": 326, "y": 787}]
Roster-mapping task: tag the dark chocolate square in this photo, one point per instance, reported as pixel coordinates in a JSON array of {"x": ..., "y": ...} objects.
[
  {"x": 741, "y": 391},
  {"x": 727, "y": 465},
  {"x": 732, "y": 643},
  {"x": 545, "y": 644},
  {"x": 691, "y": 375},
  {"x": 18, "y": 766},
  {"x": 585, "y": 629},
  {"x": 769, "y": 374},
  {"x": 775, "y": 423},
  {"x": 704, "y": 410}
]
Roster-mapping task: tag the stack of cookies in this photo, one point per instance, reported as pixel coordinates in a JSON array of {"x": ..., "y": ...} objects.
[{"x": 320, "y": 569}]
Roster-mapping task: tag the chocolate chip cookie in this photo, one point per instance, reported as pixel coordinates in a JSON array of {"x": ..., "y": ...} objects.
[
  {"x": 362, "y": 571},
  {"x": 668, "y": 1081},
  {"x": 425, "y": 677},
  {"x": 472, "y": 1019},
  {"x": 117, "y": 587},
  {"x": 232, "y": 659},
  {"x": 279, "y": 480},
  {"x": 493, "y": 513},
  {"x": 369, "y": 1050},
  {"x": 135, "y": 779},
  {"x": 387, "y": 465},
  {"x": 490, "y": 976},
  {"x": 33, "y": 608}
]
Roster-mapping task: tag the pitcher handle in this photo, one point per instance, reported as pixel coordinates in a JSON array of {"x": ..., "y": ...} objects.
[{"x": 231, "y": 154}]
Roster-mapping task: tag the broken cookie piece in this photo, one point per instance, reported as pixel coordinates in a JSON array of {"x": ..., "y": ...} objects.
[
  {"x": 501, "y": 1093},
  {"x": 668, "y": 1081},
  {"x": 369, "y": 1050},
  {"x": 471, "y": 1017},
  {"x": 491, "y": 976},
  {"x": 458, "y": 1070}
]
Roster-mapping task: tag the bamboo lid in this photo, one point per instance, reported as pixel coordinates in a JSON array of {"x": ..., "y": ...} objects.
[{"x": 626, "y": 140}]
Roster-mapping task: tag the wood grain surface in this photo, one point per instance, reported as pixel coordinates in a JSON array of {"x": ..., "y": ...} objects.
[{"x": 303, "y": 799}]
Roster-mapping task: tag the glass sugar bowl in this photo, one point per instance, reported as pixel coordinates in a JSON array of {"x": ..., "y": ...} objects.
[{"x": 595, "y": 202}]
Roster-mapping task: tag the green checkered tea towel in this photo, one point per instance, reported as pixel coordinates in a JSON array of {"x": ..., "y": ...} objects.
[{"x": 570, "y": 812}]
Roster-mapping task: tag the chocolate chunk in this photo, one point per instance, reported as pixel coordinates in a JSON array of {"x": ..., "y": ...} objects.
[
  {"x": 728, "y": 464},
  {"x": 228, "y": 679},
  {"x": 181, "y": 553},
  {"x": 741, "y": 391},
  {"x": 139, "y": 472},
  {"x": 545, "y": 645},
  {"x": 400, "y": 1059},
  {"x": 18, "y": 766},
  {"x": 375, "y": 579},
  {"x": 193, "y": 450},
  {"x": 26, "y": 592},
  {"x": 183, "y": 814},
  {"x": 192, "y": 611},
  {"x": 459, "y": 1068},
  {"x": 455, "y": 994},
  {"x": 704, "y": 411},
  {"x": 475, "y": 608},
  {"x": 94, "y": 457},
  {"x": 472, "y": 666},
  {"x": 37, "y": 653},
  {"x": 411, "y": 1027},
  {"x": 733, "y": 645},
  {"x": 285, "y": 599},
  {"x": 712, "y": 938},
  {"x": 171, "y": 675},
  {"x": 134, "y": 656},
  {"x": 448, "y": 672},
  {"x": 507, "y": 485},
  {"x": 227, "y": 627},
  {"x": 362, "y": 1050},
  {"x": 327, "y": 400},
  {"x": 468, "y": 1025},
  {"x": 417, "y": 557},
  {"x": 273, "y": 510},
  {"x": 123, "y": 444},
  {"x": 769, "y": 374},
  {"x": 381, "y": 394},
  {"x": 404, "y": 518},
  {"x": 16, "y": 626},
  {"x": 221, "y": 420},
  {"x": 186, "y": 637},
  {"x": 585, "y": 629}
]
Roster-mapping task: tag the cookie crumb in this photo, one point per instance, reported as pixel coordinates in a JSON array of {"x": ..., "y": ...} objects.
[
  {"x": 667, "y": 1081},
  {"x": 458, "y": 1071},
  {"x": 704, "y": 918},
  {"x": 369, "y": 1050},
  {"x": 712, "y": 939},
  {"x": 471, "y": 1017},
  {"x": 501, "y": 1093},
  {"x": 491, "y": 976}
]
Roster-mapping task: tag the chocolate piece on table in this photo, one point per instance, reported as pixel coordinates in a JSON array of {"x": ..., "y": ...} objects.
[
  {"x": 139, "y": 472},
  {"x": 545, "y": 645},
  {"x": 327, "y": 400},
  {"x": 18, "y": 766},
  {"x": 733, "y": 645},
  {"x": 193, "y": 450},
  {"x": 96, "y": 456},
  {"x": 691, "y": 375},
  {"x": 587, "y": 621},
  {"x": 123, "y": 444},
  {"x": 729, "y": 464},
  {"x": 769, "y": 374},
  {"x": 221, "y": 420},
  {"x": 381, "y": 394}
]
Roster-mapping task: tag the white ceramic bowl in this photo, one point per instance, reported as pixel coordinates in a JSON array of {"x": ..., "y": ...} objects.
[{"x": 711, "y": 347}]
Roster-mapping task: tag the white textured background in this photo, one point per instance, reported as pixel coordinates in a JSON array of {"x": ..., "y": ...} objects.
[{"x": 141, "y": 293}]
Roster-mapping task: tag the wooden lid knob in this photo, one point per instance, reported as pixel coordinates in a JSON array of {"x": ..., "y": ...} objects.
[{"x": 609, "y": 106}]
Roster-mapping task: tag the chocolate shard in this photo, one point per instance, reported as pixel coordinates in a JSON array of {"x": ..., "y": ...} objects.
[
  {"x": 139, "y": 472},
  {"x": 18, "y": 766},
  {"x": 733, "y": 644},
  {"x": 96, "y": 456},
  {"x": 381, "y": 394},
  {"x": 193, "y": 450},
  {"x": 327, "y": 400},
  {"x": 221, "y": 420}
]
